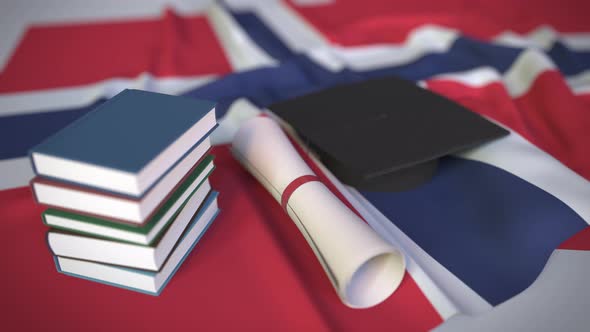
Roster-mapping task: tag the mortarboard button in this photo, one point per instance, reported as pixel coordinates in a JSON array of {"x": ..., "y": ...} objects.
[{"x": 384, "y": 134}]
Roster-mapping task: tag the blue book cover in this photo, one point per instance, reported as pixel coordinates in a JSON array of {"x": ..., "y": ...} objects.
[{"x": 128, "y": 131}]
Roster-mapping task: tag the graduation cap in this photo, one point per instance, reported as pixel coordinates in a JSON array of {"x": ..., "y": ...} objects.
[{"x": 385, "y": 134}]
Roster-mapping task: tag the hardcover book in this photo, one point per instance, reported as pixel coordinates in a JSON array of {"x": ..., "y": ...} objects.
[
  {"x": 149, "y": 282},
  {"x": 127, "y": 144}
]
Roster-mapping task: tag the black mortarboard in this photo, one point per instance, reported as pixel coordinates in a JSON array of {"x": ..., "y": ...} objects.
[{"x": 384, "y": 134}]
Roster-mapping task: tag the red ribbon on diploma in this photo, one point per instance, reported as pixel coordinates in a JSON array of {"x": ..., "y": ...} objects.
[{"x": 298, "y": 182}]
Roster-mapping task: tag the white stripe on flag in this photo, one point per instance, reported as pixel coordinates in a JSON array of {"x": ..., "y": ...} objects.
[
  {"x": 544, "y": 37},
  {"x": 79, "y": 96},
  {"x": 524, "y": 70},
  {"x": 518, "y": 156},
  {"x": 421, "y": 41},
  {"x": 557, "y": 301},
  {"x": 580, "y": 83},
  {"x": 242, "y": 52},
  {"x": 518, "y": 79}
]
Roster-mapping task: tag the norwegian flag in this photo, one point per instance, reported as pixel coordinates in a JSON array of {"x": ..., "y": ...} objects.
[{"x": 501, "y": 245}]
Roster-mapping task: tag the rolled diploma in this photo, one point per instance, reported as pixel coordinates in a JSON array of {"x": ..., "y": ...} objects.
[{"x": 363, "y": 268}]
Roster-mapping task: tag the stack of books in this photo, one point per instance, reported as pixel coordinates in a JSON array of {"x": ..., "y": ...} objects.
[{"x": 127, "y": 189}]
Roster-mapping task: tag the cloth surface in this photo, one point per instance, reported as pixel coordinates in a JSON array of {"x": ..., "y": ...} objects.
[{"x": 526, "y": 68}]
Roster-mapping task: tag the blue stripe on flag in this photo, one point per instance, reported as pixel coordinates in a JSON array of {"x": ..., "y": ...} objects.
[
  {"x": 294, "y": 77},
  {"x": 263, "y": 36},
  {"x": 491, "y": 229},
  {"x": 19, "y": 133},
  {"x": 465, "y": 54},
  {"x": 569, "y": 63}
]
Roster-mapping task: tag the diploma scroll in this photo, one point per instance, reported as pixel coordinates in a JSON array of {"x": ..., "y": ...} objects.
[{"x": 363, "y": 268}]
